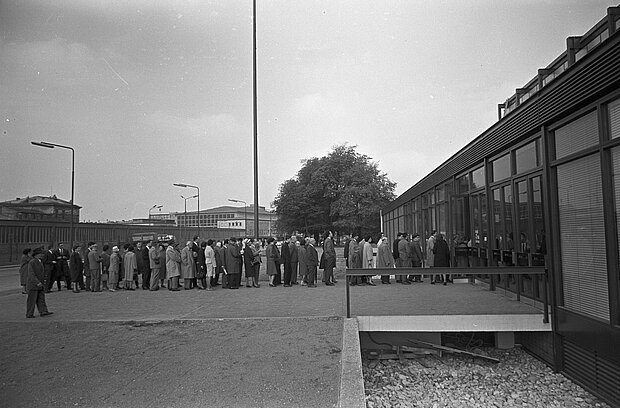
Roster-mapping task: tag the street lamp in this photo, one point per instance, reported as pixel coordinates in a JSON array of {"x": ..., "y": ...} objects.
[
  {"x": 197, "y": 195},
  {"x": 185, "y": 212},
  {"x": 245, "y": 214},
  {"x": 51, "y": 146},
  {"x": 152, "y": 208}
]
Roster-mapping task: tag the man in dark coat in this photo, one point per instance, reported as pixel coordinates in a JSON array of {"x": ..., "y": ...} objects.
[
  {"x": 292, "y": 247},
  {"x": 49, "y": 264},
  {"x": 232, "y": 263},
  {"x": 61, "y": 271},
  {"x": 312, "y": 262},
  {"x": 35, "y": 285},
  {"x": 146, "y": 265},
  {"x": 76, "y": 266},
  {"x": 285, "y": 255}
]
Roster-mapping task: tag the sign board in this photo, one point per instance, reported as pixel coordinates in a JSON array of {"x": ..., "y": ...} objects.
[{"x": 231, "y": 224}]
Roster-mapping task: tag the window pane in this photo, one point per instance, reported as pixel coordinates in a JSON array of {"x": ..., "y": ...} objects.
[
  {"x": 577, "y": 135},
  {"x": 462, "y": 184},
  {"x": 540, "y": 241},
  {"x": 527, "y": 157},
  {"x": 497, "y": 218},
  {"x": 614, "y": 118},
  {"x": 501, "y": 168},
  {"x": 477, "y": 177},
  {"x": 524, "y": 217},
  {"x": 582, "y": 238},
  {"x": 508, "y": 230}
]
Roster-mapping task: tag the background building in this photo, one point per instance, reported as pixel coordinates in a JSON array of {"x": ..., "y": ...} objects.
[
  {"x": 39, "y": 208},
  {"x": 231, "y": 217}
]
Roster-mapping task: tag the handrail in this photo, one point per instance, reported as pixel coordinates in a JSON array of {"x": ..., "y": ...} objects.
[{"x": 463, "y": 270}]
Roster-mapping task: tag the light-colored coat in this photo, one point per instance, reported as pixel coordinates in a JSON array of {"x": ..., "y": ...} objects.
[
  {"x": 173, "y": 262},
  {"x": 130, "y": 265},
  {"x": 188, "y": 266}
]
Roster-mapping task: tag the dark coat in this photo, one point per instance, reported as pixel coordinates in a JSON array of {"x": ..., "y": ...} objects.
[
  {"x": 294, "y": 253},
  {"x": 36, "y": 275},
  {"x": 329, "y": 253},
  {"x": 312, "y": 257},
  {"x": 76, "y": 265},
  {"x": 442, "y": 253},
  {"x": 49, "y": 261},
  {"x": 285, "y": 253},
  {"x": 233, "y": 259}
]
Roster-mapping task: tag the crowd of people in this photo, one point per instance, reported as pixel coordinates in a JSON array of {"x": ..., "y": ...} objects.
[
  {"x": 207, "y": 264},
  {"x": 152, "y": 265}
]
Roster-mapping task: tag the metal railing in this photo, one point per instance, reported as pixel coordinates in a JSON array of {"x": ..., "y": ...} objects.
[{"x": 471, "y": 270}]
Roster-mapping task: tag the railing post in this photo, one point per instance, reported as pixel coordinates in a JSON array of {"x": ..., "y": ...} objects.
[
  {"x": 346, "y": 278},
  {"x": 545, "y": 299}
]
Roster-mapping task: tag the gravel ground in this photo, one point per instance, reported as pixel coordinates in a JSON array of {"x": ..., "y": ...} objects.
[{"x": 519, "y": 380}]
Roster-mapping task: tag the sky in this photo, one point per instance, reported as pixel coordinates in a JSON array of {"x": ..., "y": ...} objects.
[{"x": 151, "y": 93}]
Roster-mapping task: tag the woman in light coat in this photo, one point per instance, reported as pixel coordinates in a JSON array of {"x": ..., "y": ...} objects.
[
  {"x": 173, "y": 266},
  {"x": 113, "y": 269},
  {"x": 188, "y": 266}
]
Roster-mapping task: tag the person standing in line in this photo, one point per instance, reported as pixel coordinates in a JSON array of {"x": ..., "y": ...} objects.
[
  {"x": 130, "y": 266},
  {"x": 86, "y": 268},
  {"x": 23, "y": 269},
  {"x": 210, "y": 263},
  {"x": 329, "y": 258},
  {"x": 94, "y": 264},
  {"x": 154, "y": 264},
  {"x": 139, "y": 262},
  {"x": 188, "y": 266},
  {"x": 248, "y": 259},
  {"x": 403, "y": 258},
  {"x": 312, "y": 262},
  {"x": 162, "y": 264},
  {"x": 347, "y": 240},
  {"x": 35, "y": 285},
  {"x": 292, "y": 247},
  {"x": 195, "y": 251},
  {"x": 430, "y": 255},
  {"x": 201, "y": 267},
  {"x": 278, "y": 251},
  {"x": 442, "y": 255},
  {"x": 286, "y": 261},
  {"x": 417, "y": 259},
  {"x": 367, "y": 259},
  {"x": 272, "y": 257},
  {"x": 115, "y": 263},
  {"x": 62, "y": 266},
  {"x": 395, "y": 249},
  {"x": 301, "y": 256},
  {"x": 385, "y": 259},
  {"x": 256, "y": 261},
  {"x": 173, "y": 266},
  {"x": 232, "y": 261},
  {"x": 105, "y": 266},
  {"x": 49, "y": 265},
  {"x": 355, "y": 258},
  {"x": 219, "y": 265},
  {"x": 146, "y": 264},
  {"x": 76, "y": 266}
]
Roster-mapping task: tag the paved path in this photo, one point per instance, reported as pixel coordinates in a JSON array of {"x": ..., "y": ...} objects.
[{"x": 265, "y": 347}]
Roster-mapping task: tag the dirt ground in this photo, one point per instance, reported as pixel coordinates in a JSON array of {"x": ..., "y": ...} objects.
[{"x": 175, "y": 363}]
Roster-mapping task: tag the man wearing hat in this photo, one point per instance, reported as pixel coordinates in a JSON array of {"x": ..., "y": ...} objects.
[{"x": 35, "y": 285}]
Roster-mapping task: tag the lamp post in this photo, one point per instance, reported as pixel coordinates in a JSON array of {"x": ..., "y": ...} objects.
[
  {"x": 197, "y": 195},
  {"x": 153, "y": 207},
  {"x": 51, "y": 146},
  {"x": 245, "y": 215},
  {"x": 185, "y": 212}
]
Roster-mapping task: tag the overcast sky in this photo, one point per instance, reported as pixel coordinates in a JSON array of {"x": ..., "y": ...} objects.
[{"x": 150, "y": 93}]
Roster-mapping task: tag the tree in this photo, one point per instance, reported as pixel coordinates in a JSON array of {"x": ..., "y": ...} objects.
[{"x": 342, "y": 191}]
